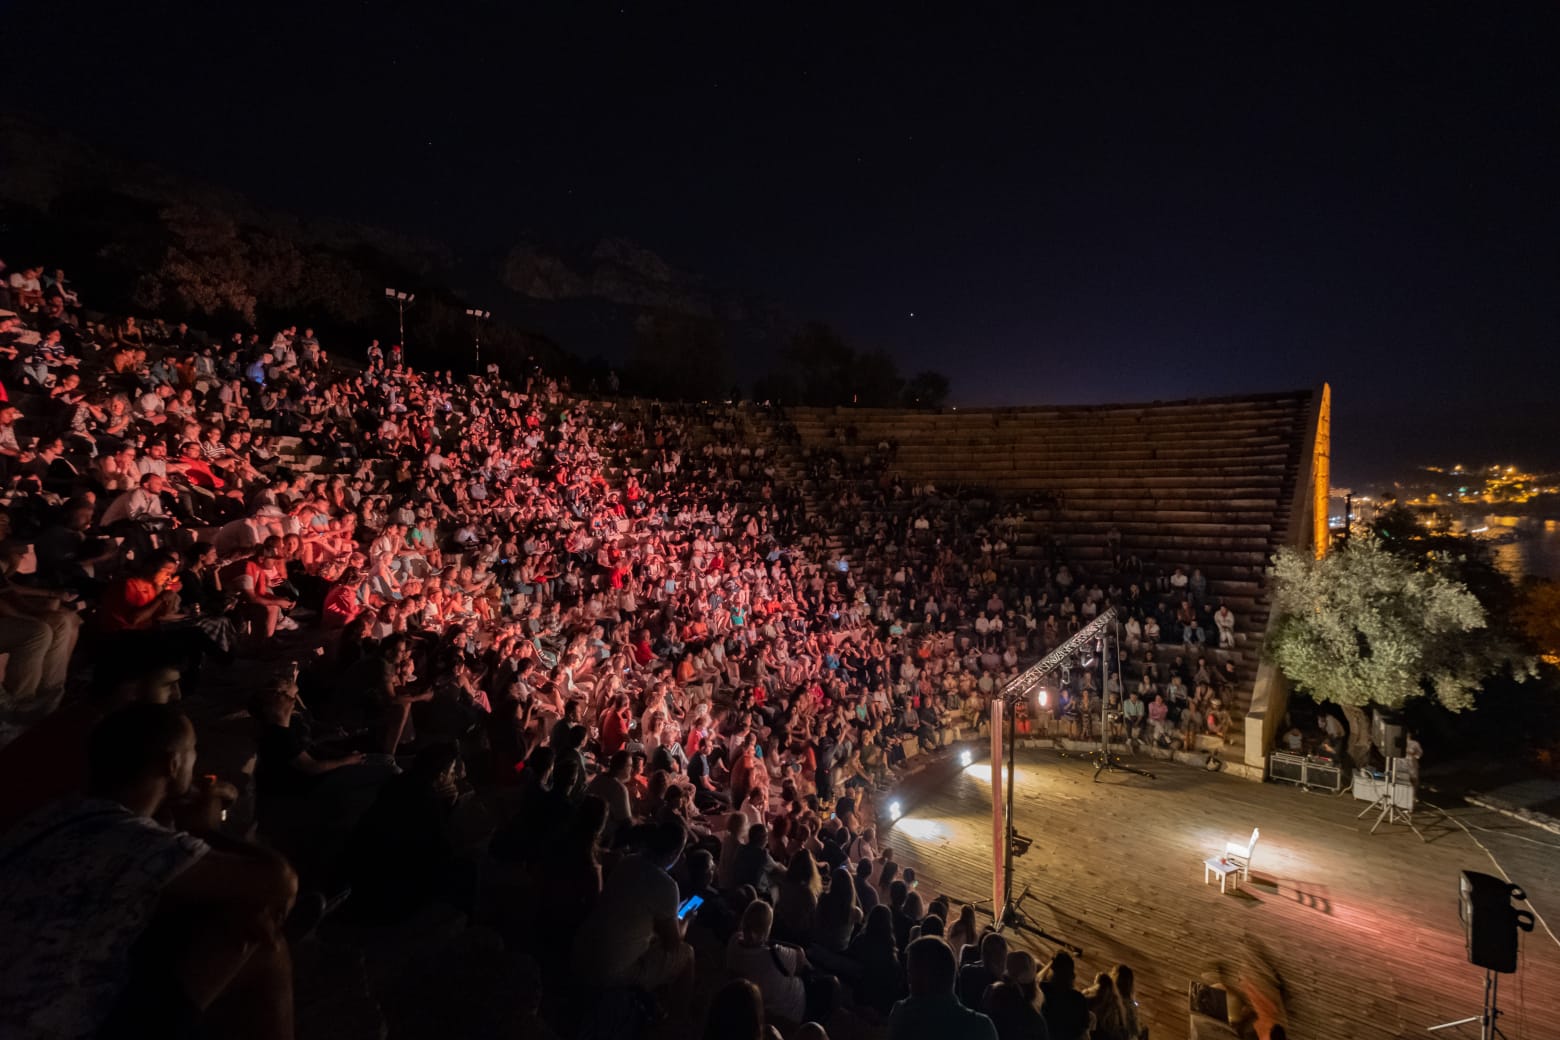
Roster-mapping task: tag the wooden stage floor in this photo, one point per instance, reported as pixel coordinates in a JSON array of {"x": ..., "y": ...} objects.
[{"x": 1361, "y": 931}]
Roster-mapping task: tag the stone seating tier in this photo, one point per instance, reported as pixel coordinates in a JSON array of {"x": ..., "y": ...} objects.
[{"x": 1207, "y": 484}]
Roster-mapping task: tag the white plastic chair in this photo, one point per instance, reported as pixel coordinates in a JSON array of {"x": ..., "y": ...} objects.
[{"x": 1240, "y": 855}]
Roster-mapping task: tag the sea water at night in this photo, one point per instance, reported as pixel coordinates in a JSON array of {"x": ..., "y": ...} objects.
[{"x": 1534, "y": 553}]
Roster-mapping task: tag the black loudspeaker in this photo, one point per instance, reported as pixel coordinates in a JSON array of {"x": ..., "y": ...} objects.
[
  {"x": 1490, "y": 922},
  {"x": 1389, "y": 735}
]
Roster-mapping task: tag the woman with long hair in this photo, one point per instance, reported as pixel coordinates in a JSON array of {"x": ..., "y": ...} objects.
[
  {"x": 1110, "y": 1020},
  {"x": 839, "y": 915},
  {"x": 908, "y": 920},
  {"x": 1126, "y": 989},
  {"x": 796, "y": 908},
  {"x": 887, "y": 877},
  {"x": 875, "y": 951},
  {"x": 780, "y": 839},
  {"x": 964, "y": 930}
]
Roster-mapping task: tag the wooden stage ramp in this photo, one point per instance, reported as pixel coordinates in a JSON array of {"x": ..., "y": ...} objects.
[{"x": 1358, "y": 932}]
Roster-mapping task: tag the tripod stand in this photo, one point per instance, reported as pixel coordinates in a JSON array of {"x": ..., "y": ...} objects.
[
  {"x": 1012, "y": 917},
  {"x": 1105, "y": 760},
  {"x": 1487, "y": 1015},
  {"x": 1387, "y": 808}
]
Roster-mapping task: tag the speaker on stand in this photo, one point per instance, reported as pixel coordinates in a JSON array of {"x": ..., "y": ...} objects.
[
  {"x": 1389, "y": 734},
  {"x": 1490, "y": 925}
]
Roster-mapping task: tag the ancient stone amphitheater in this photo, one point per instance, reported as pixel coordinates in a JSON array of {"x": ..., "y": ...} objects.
[{"x": 1217, "y": 484}]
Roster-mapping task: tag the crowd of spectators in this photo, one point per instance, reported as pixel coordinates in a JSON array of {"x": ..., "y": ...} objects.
[
  {"x": 948, "y": 564},
  {"x": 566, "y": 665}
]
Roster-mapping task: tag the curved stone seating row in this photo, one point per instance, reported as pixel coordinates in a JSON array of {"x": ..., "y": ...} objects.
[{"x": 1210, "y": 484}]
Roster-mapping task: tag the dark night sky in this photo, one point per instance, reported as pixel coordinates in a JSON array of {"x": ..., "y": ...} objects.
[{"x": 1088, "y": 204}]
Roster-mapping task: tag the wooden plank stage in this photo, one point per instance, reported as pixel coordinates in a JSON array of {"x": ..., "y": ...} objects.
[{"x": 1358, "y": 932}]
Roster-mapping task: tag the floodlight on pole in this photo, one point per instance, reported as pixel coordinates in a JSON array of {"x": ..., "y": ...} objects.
[
  {"x": 402, "y": 300},
  {"x": 477, "y": 317}
]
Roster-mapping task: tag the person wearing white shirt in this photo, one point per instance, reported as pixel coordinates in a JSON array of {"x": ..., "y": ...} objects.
[
  {"x": 1332, "y": 727},
  {"x": 142, "y": 504},
  {"x": 241, "y": 535},
  {"x": 1413, "y": 751},
  {"x": 632, "y": 936},
  {"x": 776, "y": 969},
  {"x": 1224, "y": 620}
]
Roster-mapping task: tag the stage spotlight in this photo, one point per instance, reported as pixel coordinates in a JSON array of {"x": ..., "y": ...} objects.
[
  {"x": 895, "y": 810},
  {"x": 966, "y": 757},
  {"x": 1044, "y": 697}
]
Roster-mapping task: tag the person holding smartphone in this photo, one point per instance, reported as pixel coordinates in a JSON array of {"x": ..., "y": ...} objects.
[{"x": 633, "y": 936}]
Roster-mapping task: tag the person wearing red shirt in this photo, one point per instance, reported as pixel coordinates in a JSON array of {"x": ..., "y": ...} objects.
[
  {"x": 643, "y": 655},
  {"x": 137, "y": 602},
  {"x": 614, "y": 726},
  {"x": 341, "y": 602},
  {"x": 254, "y": 588},
  {"x": 197, "y": 471}
]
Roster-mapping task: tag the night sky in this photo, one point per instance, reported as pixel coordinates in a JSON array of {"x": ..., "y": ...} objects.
[{"x": 1084, "y": 205}]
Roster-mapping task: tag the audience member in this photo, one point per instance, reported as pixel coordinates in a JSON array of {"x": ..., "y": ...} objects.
[
  {"x": 1066, "y": 1011},
  {"x": 932, "y": 1011},
  {"x": 120, "y": 926}
]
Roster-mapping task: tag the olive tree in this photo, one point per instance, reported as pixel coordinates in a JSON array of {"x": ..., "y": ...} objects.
[{"x": 1363, "y": 627}]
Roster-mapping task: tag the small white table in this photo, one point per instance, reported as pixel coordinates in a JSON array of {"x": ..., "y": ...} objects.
[{"x": 1228, "y": 873}]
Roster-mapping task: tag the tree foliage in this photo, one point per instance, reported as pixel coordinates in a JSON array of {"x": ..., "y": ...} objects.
[
  {"x": 1363, "y": 626},
  {"x": 927, "y": 389},
  {"x": 198, "y": 261},
  {"x": 818, "y": 367},
  {"x": 874, "y": 380},
  {"x": 1538, "y": 617},
  {"x": 204, "y": 268},
  {"x": 678, "y": 357},
  {"x": 820, "y": 362},
  {"x": 1457, "y": 556}
]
